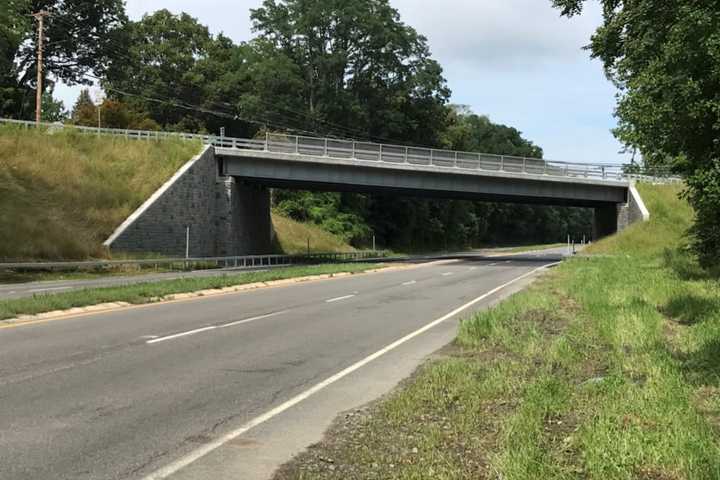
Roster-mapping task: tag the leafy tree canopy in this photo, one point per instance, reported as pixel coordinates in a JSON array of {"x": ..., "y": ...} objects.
[
  {"x": 665, "y": 58},
  {"x": 362, "y": 70},
  {"x": 79, "y": 38}
]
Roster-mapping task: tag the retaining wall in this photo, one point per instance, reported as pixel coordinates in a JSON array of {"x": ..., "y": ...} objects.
[{"x": 223, "y": 217}]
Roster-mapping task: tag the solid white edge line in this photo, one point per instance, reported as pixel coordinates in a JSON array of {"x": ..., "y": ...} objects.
[
  {"x": 181, "y": 463},
  {"x": 411, "y": 282},
  {"x": 48, "y": 289},
  {"x": 337, "y": 299}
]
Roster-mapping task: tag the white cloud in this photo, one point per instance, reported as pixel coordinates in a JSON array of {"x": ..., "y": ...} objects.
[{"x": 498, "y": 34}]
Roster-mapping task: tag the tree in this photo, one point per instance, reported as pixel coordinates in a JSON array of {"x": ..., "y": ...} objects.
[
  {"x": 52, "y": 110},
  {"x": 84, "y": 111},
  {"x": 79, "y": 38},
  {"x": 664, "y": 58},
  {"x": 364, "y": 72},
  {"x": 172, "y": 70}
]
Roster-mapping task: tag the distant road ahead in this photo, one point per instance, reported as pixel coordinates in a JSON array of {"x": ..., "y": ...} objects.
[
  {"x": 170, "y": 386},
  {"x": 49, "y": 287}
]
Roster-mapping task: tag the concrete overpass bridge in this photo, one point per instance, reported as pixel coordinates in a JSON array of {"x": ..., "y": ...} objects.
[{"x": 219, "y": 202}]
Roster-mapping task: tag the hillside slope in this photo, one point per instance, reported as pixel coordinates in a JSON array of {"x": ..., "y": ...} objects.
[
  {"x": 63, "y": 193},
  {"x": 292, "y": 237}
]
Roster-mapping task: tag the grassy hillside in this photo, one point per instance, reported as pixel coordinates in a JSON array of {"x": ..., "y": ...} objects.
[
  {"x": 606, "y": 368},
  {"x": 292, "y": 237},
  {"x": 670, "y": 218},
  {"x": 62, "y": 194}
]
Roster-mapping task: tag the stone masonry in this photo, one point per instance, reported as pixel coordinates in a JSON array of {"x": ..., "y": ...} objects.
[{"x": 224, "y": 217}]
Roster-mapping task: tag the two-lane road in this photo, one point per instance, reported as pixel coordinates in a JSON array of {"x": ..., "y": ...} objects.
[{"x": 171, "y": 387}]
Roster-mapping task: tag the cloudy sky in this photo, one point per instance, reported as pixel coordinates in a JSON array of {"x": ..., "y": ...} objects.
[{"x": 516, "y": 61}]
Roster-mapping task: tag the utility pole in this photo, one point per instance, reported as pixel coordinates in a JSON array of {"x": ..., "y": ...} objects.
[{"x": 40, "y": 17}]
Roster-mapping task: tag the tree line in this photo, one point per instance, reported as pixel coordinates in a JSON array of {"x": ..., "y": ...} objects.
[
  {"x": 665, "y": 59},
  {"x": 314, "y": 67}
]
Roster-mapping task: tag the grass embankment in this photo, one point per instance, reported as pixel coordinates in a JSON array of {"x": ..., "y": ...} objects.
[
  {"x": 63, "y": 193},
  {"x": 155, "y": 291},
  {"x": 292, "y": 238},
  {"x": 607, "y": 368}
]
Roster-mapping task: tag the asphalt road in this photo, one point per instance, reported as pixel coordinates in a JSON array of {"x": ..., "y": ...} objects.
[
  {"x": 173, "y": 386},
  {"x": 49, "y": 287}
]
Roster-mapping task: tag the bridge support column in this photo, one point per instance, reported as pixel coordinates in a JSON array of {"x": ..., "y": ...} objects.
[
  {"x": 605, "y": 221},
  {"x": 615, "y": 218},
  {"x": 245, "y": 224}
]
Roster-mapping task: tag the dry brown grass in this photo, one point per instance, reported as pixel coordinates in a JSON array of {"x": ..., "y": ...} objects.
[{"x": 62, "y": 193}]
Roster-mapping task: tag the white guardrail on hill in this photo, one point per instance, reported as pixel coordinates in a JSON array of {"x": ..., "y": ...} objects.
[{"x": 386, "y": 153}]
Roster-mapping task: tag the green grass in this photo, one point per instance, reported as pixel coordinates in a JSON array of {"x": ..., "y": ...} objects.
[
  {"x": 607, "y": 368},
  {"x": 154, "y": 291},
  {"x": 62, "y": 193},
  {"x": 292, "y": 238}
]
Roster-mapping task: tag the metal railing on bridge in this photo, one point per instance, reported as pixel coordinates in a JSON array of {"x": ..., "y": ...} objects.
[{"x": 369, "y": 152}]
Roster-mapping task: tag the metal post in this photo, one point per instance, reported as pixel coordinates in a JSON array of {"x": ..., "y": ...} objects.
[
  {"x": 456, "y": 158},
  {"x": 431, "y": 157},
  {"x": 502, "y": 162},
  {"x": 308, "y": 246},
  {"x": 374, "y": 243},
  {"x": 524, "y": 165},
  {"x": 267, "y": 141},
  {"x": 353, "y": 149},
  {"x": 297, "y": 145},
  {"x": 325, "y": 150},
  {"x": 381, "y": 154},
  {"x": 406, "y": 154},
  {"x": 187, "y": 242}
]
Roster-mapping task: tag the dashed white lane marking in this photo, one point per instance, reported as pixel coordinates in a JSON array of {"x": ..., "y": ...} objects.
[
  {"x": 411, "y": 282},
  {"x": 447, "y": 274},
  {"x": 252, "y": 319},
  {"x": 337, "y": 299},
  {"x": 183, "y": 334},
  {"x": 49, "y": 289},
  {"x": 491, "y": 264},
  {"x": 183, "y": 462},
  {"x": 156, "y": 339}
]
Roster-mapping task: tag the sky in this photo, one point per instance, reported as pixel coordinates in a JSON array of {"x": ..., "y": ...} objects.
[{"x": 516, "y": 61}]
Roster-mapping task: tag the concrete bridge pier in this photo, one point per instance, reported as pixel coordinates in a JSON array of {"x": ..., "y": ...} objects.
[
  {"x": 613, "y": 218},
  {"x": 606, "y": 221},
  {"x": 244, "y": 223}
]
